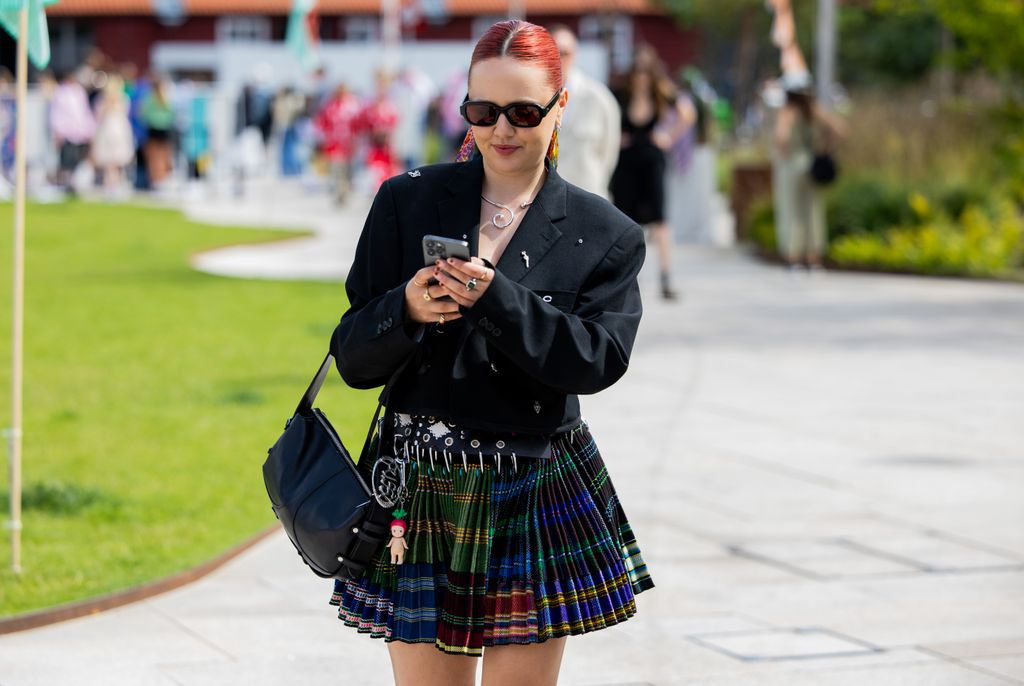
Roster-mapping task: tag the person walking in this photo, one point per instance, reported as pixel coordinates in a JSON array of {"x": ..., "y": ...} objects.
[
  {"x": 72, "y": 125},
  {"x": 159, "y": 117},
  {"x": 113, "y": 146},
  {"x": 336, "y": 123},
  {"x": 590, "y": 132},
  {"x": 638, "y": 183},
  {"x": 515, "y": 536},
  {"x": 800, "y": 127}
]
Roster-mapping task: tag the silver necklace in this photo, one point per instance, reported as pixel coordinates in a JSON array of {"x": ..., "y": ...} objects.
[{"x": 498, "y": 216}]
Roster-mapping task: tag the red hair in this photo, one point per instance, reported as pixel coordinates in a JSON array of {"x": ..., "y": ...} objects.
[{"x": 524, "y": 42}]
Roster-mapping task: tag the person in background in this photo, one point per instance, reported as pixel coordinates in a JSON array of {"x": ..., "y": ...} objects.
[
  {"x": 288, "y": 105},
  {"x": 193, "y": 108},
  {"x": 647, "y": 98},
  {"x": 411, "y": 94},
  {"x": 453, "y": 128},
  {"x": 8, "y": 115},
  {"x": 590, "y": 132},
  {"x": 799, "y": 210},
  {"x": 336, "y": 124},
  {"x": 159, "y": 117},
  {"x": 72, "y": 125},
  {"x": 113, "y": 146},
  {"x": 378, "y": 120},
  {"x": 138, "y": 89}
]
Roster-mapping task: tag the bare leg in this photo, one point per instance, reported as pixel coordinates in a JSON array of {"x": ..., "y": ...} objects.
[
  {"x": 112, "y": 177},
  {"x": 536, "y": 664},
  {"x": 421, "y": 664},
  {"x": 663, "y": 239}
]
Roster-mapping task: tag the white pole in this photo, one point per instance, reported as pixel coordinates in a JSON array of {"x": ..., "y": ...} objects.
[
  {"x": 391, "y": 33},
  {"x": 19, "y": 288},
  {"x": 826, "y": 51}
]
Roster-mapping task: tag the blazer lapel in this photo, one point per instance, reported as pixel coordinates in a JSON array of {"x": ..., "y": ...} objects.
[
  {"x": 537, "y": 231},
  {"x": 459, "y": 215}
]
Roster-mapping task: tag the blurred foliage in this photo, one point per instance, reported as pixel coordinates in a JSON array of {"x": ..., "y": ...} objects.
[
  {"x": 979, "y": 242},
  {"x": 762, "y": 226},
  {"x": 988, "y": 32},
  {"x": 880, "y": 49},
  {"x": 865, "y": 204},
  {"x": 957, "y": 230}
]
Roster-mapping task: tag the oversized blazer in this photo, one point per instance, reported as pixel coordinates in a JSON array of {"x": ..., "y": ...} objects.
[{"x": 557, "y": 322}]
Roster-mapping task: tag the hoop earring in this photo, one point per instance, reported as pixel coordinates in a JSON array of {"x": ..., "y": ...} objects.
[
  {"x": 466, "y": 149},
  {"x": 552, "y": 154}
]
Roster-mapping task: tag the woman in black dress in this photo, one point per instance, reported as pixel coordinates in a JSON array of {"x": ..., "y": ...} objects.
[{"x": 653, "y": 118}]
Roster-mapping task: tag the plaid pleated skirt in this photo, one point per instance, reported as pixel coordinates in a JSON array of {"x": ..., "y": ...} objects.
[{"x": 500, "y": 555}]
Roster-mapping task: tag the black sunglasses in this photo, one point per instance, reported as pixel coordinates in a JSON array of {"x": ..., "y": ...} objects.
[{"x": 524, "y": 115}]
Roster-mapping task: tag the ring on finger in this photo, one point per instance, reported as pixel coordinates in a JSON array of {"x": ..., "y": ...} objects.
[
  {"x": 426, "y": 294},
  {"x": 471, "y": 284},
  {"x": 440, "y": 318}
]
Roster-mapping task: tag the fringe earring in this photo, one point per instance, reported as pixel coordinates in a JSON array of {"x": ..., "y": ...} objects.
[
  {"x": 466, "y": 149},
  {"x": 553, "y": 148}
]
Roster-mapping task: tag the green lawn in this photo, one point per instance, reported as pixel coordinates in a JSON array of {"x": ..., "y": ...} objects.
[{"x": 152, "y": 393}]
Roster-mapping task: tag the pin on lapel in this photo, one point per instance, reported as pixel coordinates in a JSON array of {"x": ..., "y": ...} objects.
[
  {"x": 414, "y": 173},
  {"x": 526, "y": 259}
]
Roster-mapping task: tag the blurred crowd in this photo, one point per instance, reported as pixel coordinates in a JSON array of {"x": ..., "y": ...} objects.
[{"x": 112, "y": 128}]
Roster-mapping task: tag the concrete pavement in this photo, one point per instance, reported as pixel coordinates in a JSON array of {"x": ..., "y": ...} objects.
[{"x": 824, "y": 473}]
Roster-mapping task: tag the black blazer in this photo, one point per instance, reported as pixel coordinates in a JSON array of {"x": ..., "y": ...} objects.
[{"x": 536, "y": 338}]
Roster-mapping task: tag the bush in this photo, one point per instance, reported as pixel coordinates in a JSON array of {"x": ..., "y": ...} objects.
[
  {"x": 762, "y": 226},
  {"x": 981, "y": 243},
  {"x": 866, "y": 205}
]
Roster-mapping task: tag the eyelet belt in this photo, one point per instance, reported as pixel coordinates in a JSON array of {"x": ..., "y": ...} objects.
[{"x": 426, "y": 433}]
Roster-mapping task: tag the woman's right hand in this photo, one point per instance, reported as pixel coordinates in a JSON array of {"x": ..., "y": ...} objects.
[{"x": 428, "y": 310}]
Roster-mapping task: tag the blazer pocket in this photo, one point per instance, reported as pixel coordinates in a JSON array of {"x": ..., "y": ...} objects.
[{"x": 562, "y": 300}]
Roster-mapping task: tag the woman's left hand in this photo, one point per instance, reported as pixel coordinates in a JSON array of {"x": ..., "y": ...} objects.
[{"x": 464, "y": 281}]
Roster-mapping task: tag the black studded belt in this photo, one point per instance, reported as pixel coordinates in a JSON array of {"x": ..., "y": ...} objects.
[{"x": 422, "y": 435}]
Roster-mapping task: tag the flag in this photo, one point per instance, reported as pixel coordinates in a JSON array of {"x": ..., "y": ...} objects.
[
  {"x": 302, "y": 37},
  {"x": 38, "y": 35}
]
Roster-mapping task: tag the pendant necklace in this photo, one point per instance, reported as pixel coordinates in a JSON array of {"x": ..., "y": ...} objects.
[{"x": 499, "y": 216}]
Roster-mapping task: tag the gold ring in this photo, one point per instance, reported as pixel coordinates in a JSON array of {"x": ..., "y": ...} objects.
[
  {"x": 440, "y": 319},
  {"x": 426, "y": 295},
  {"x": 417, "y": 283}
]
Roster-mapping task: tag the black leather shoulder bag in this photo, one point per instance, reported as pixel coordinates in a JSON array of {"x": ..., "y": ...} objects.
[{"x": 317, "y": 492}]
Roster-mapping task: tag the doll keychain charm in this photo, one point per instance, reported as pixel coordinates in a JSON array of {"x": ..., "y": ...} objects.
[{"x": 398, "y": 544}]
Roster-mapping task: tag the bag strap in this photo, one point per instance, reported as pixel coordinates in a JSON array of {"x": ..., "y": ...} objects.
[{"x": 306, "y": 403}]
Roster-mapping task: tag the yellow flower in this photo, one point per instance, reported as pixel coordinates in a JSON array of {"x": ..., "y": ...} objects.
[{"x": 920, "y": 205}]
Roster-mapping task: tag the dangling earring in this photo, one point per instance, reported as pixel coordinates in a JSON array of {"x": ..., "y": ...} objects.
[
  {"x": 466, "y": 149},
  {"x": 553, "y": 148}
]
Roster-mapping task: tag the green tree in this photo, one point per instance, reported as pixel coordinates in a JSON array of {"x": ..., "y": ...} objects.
[{"x": 988, "y": 33}]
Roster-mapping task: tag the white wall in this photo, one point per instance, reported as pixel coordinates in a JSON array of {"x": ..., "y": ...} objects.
[{"x": 353, "y": 63}]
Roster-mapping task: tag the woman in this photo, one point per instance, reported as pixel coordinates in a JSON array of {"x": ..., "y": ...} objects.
[
  {"x": 158, "y": 116},
  {"x": 799, "y": 210},
  {"x": 647, "y": 99},
  {"x": 516, "y": 538},
  {"x": 113, "y": 147}
]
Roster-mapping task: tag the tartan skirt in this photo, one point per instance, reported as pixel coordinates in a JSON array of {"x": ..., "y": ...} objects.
[{"x": 503, "y": 556}]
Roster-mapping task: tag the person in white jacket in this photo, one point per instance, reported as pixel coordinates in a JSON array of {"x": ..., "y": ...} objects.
[{"x": 588, "y": 146}]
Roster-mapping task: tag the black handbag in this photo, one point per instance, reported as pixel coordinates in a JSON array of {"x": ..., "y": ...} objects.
[
  {"x": 824, "y": 169},
  {"x": 317, "y": 492}
]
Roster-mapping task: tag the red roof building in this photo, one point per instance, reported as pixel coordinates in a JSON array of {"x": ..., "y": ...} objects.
[{"x": 128, "y": 30}]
